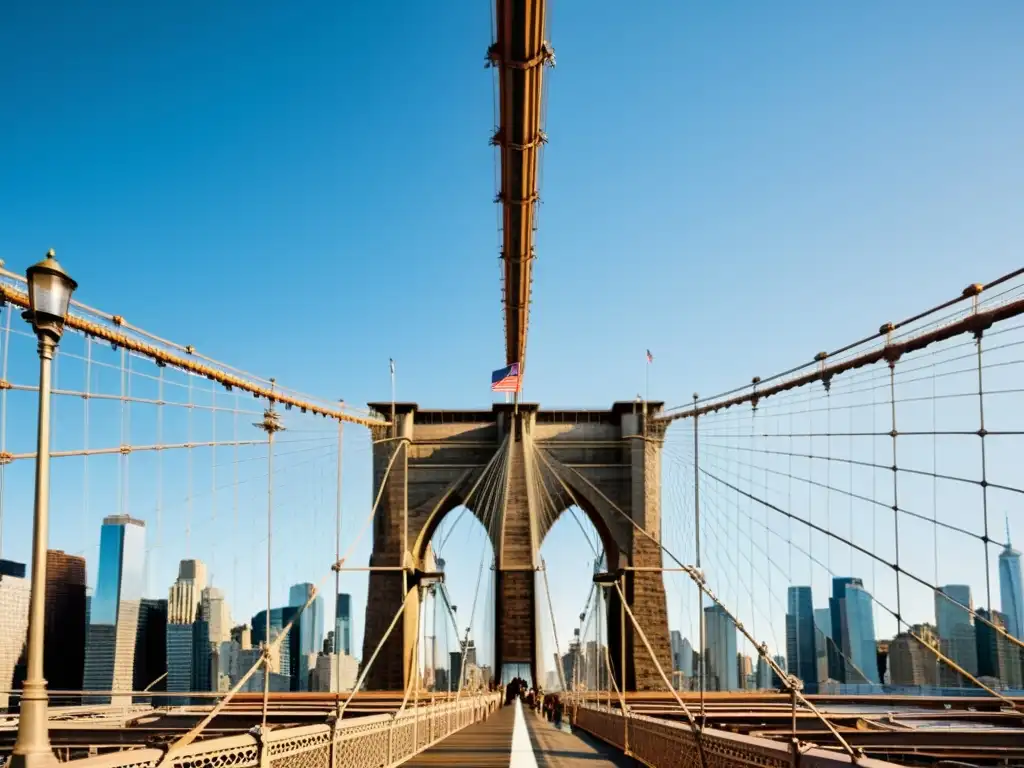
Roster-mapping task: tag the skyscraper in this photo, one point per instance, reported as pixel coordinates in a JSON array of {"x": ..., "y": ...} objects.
[
  {"x": 187, "y": 592},
  {"x": 762, "y": 674},
  {"x": 955, "y": 626},
  {"x": 187, "y": 647},
  {"x": 800, "y": 644},
  {"x": 997, "y": 656},
  {"x": 686, "y": 658},
  {"x": 151, "y": 646},
  {"x": 310, "y": 626},
  {"x": 114, "y": 608},
  {"x": 675, "y": 639},
  {"x": 823, "y": 645},
  {"x": 910, "y": 662},
  {"x": 853, "y": 631},
  {"x": 14, "y": 596},
  {"x": 744, "y": 671},
  {"x": 215, "y": 611},
  {"x": 64, "y": 633},
  {"x": 1011, "y": 595},
  {"x": 720, "y": 654},
  {"x": 289, "y": 654},
  {"x": 343, "y": 624}
]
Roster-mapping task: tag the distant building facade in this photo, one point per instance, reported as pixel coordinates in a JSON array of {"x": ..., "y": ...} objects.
[
  {"x": 720, "y": 668},
  {"x": 114, "y": 609},
  {"x": 14, "y": 599},
  {"x": 64, "y": 631},
  {"x": 1011, "y": 592},
  {"x": 310, "y": 627},
  {"x": 343, "y": 624},
  {"x": 801, "y": 647},
  {"x": 151, "y": 647},
  {"x": 957, "y": 640},
  {"x": 853, "y": 632},
  {"x": 188, "y": 639}
]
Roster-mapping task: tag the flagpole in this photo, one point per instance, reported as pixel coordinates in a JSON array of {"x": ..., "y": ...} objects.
[
  {"x": 394, "y": 426},
  {"x": 519, "y": 385},
  {"x": 648, "y": 359}
]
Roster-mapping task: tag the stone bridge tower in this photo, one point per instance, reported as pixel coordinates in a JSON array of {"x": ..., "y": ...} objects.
[{"x": 516, "y": 471}]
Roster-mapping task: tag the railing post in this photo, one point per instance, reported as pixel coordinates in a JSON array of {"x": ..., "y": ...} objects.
[
  {"x": 626, "y": 733},
  {"x": 391, "y": 733},
  {"x": 702, "y": 631},
  {"x": 262, "y": 747},
  {"x": 332, "y": 759},
  {"x": 794, "y": 744}
]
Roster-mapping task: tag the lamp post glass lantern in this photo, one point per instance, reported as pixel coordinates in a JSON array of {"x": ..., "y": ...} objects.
[{"x": 49, "y": 297}]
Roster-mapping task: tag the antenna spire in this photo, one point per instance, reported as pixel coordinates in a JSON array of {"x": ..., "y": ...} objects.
[{"x": 1007, "y": 514}]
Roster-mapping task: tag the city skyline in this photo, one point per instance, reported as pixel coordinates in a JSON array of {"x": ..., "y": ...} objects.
[
  {"x": 199, "y": 622},
  {"x": 193, "y": 192}
]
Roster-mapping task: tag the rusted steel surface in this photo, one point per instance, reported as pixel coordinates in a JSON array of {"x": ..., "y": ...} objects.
[{"x": 519, "y": 54}]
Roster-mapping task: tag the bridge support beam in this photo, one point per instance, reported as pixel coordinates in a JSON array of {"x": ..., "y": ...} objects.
[
  {"x": 518, "y": 553},
  {"x": 537, "y": 465}
]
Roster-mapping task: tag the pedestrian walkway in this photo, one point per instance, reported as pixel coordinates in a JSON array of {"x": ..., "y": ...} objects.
[
  {"x": 562, "y": 748},
  {"x": 487, "y": 744},
  {"x": 516, "y": 738}
]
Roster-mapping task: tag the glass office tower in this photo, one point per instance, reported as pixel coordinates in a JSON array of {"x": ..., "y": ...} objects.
[
  {"x": 343, "y": 624},
  {"x": 114, "y": 608},
  {"x": 853, "y": 631},
  {"x": 311, "y": 626},
  {"x": 800, "y": 644},
  {"x": 720, "y": 654},
  {"x": 1011, "y": 597}
]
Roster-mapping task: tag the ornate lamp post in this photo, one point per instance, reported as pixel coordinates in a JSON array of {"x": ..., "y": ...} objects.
[{"x": 49, "y": 296}]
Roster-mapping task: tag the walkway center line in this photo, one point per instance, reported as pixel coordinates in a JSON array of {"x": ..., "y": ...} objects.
[{"x": 522, "y": 750}]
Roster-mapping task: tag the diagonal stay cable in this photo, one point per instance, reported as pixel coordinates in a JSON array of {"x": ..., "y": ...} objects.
[
  {"x": 698, "y": 579},
  {"x": 869, "y": 553},
  {"x": 901, "y": 622}
]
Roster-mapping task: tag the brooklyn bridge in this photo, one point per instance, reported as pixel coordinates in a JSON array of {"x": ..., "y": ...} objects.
[{"x": 881, "y": 472}]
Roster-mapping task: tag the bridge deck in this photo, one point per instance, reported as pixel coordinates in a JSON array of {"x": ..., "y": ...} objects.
[{"x": 516, "y": 738}]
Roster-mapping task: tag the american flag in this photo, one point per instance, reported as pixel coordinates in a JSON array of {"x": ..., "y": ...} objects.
[
  {"x": 506, "y": 379},
  {"x": 650, "y": 357}
]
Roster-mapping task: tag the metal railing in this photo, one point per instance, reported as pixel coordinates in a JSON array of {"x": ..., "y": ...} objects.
[
  {"x": 662, "y": 743},
  {"x": 374, "y": 741}
]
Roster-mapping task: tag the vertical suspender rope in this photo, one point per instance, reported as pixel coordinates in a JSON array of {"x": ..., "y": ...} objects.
[
  {"x": 126, "y": 453},
  {"x": 270, "y": 425},
  {"x": 3, "y": 423},
  {"x": 984, "y": 469},
  {"x": 337, "y": 558},
  {"x": 234, "y": 493},
  {"x": 213, "y": 474},
  {"x": 159, "y": 462},
  {"x": 702, "y": 660},
  {"x": 895, "y": 488},
  {"x": 120, "y": 462},
  {"x": 85, "y": 438},
  {"x": 188, "y": 464}
]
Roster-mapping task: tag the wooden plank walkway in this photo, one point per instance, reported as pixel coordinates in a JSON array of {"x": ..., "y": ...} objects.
[
  {"x": 561, "y": 748},
  {"x": 486, "y": 745},
  {"x": 489, "y": 745}
]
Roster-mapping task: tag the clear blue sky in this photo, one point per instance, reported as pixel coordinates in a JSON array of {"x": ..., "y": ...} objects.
[{"x": 305, "y": 190}]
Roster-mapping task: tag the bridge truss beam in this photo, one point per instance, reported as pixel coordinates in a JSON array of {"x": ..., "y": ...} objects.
[{"x": 519, "y": 54}]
